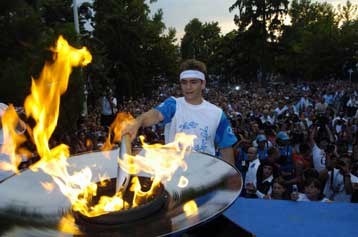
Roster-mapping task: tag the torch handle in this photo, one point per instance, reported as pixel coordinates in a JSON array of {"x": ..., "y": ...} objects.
[
  {"x": 126, "y": 146},
  {"x": 122, "y": 176}
]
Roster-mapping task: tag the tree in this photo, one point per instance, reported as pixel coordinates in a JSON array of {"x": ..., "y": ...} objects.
[
  {"x": 190, "y": 44},
  {"x": 310, "y": 43},
  {"x": 133, "y": 45},
  {"x": 28, "y": 29},
  {"x": 201, "y": 41},
  {"x": 259, "y": 22},
  {"x": 227, "y": 55},
  {"x": 347, "y": 13}
]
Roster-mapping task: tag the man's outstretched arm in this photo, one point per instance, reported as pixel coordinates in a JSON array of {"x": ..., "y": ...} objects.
[
  {"x": 146, "y": 119},
  {"x": 227, "y": 155}
]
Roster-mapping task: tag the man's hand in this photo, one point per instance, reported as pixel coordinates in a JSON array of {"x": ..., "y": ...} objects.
[
  {"x": 131, "y": 128},
  {"x": 146, "y": 119}
]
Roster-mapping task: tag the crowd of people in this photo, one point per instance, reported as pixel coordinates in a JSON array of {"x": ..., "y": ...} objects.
[{"x": 296, "y": 141}]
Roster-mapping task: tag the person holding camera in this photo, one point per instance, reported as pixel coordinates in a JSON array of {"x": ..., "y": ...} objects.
[{"x": 318, "y": 150}]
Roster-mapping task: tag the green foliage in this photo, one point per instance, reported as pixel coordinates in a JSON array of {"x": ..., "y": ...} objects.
[
  {"x": 201, "y": 41},
  {"x": 259, "y": 23},
  {"x": 311, "y": 42},
  {"x": 347, "y": 13},
  {"x": 263, "y": 16},
  {"x": 132, "y": 50}
]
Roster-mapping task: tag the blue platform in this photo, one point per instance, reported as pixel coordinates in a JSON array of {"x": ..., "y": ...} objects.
[{"x": 295, "y": 219}]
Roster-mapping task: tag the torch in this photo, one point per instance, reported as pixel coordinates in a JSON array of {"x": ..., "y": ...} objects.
[{"x": 122, "y": 176}]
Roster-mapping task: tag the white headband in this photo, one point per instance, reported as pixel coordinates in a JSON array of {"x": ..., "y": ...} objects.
[{"x": 192, "y": 74}]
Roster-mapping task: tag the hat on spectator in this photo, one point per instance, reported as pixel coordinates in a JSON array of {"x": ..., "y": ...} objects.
[
  {"x": 3, "y": 107},
  {"x": 282, "y": 136},
  {"x": 261, "y": 138}
]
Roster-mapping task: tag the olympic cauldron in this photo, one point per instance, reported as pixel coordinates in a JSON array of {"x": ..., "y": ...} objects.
[{"x": 27, "y": 209}]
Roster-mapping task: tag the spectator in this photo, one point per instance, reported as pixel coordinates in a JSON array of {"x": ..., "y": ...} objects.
[
  {"x": 312, "y": 192},
  {"x": 279, "y": 190},
  {"x": 262, "y": 146},
  {"x": 250, "y": 177},
  {"x": 108, "y": 108}
]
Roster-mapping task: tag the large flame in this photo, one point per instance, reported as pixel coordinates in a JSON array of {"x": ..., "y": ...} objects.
[{"x": 158, "y": 161}]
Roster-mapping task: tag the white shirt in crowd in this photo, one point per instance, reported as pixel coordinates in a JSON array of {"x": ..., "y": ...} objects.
[
  {"x": 267, "y": 119},
  {"x": 281, "y": 111},
  {"x": 319, "y": 158},
  {"x": 107, "y": 108},
  {"x": 252, "y": 171},
  {"x": 261, "y": 195},
  {"x": 303, "y": 198},
  {"x": 336, "y": 191}
]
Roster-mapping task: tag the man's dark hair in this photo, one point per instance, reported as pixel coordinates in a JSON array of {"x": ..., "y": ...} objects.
[
  {"x": 193, "y": 64},
  {"x": 272, "y": 150}
]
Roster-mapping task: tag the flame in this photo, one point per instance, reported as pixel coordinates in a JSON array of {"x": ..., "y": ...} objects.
[
  {"x": 159, "y": 161},
  {"x": 67, "y": 225},
  {"x": 48, "y": 186},
  {"x": 43, "y": 103},
  {"x": 190, "y": 208},
  {"x": 122, "y": 119},
  {"x": 12, "y": 140}
]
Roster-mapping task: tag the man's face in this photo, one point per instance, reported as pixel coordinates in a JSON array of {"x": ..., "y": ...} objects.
[
  {"x": 278, "y": 189},
  {"x": 251, "y": 153},
  {"x": 192, "y": 89},
  {"x": 267, "y": 171},
  {"x": 323, "y": 144},
  {"x": 311, "y": 191}
]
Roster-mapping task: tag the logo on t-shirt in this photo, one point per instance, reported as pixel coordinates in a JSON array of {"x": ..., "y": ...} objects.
[{"x": 188, "y": 126}]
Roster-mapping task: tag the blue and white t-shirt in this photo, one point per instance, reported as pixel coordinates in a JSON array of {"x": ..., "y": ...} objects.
[{"x": 207, "y": 121}]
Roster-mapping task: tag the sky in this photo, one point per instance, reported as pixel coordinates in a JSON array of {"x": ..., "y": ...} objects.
[{"x": 178, "y": 13}]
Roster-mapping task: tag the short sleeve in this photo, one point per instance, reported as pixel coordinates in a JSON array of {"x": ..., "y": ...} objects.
[
  {"x": 167, "y": 108},
  {"x": 224, "y": 136}
]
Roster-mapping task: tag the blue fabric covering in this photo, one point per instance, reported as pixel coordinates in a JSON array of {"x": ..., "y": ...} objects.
[{"x": 295, "y": 219}]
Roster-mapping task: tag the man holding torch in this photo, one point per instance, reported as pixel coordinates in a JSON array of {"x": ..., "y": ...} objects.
[{"x": 191, "y": 114}]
